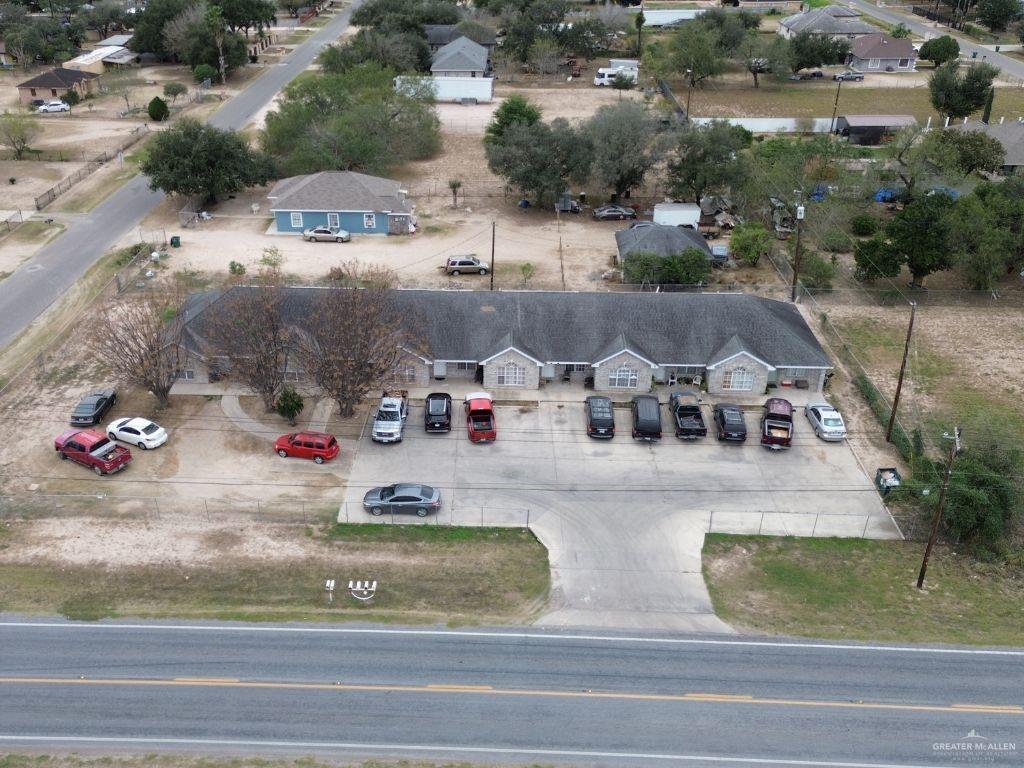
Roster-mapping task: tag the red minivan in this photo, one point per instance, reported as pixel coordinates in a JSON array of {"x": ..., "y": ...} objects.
[{"x": 318, "y": 446}]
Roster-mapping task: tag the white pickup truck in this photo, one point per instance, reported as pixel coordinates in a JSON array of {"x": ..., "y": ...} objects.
[{"x": 389, "y": 420}]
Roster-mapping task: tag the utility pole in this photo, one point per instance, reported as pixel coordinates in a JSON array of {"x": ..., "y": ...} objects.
[
  {"x": 492, "y": 255},
  {"x": 796, "y": 258},
  {"x": 689, "y": 91},
  {"x": 561, "y": 259},
  {"x": 953, "y": 451},
  {"x": 835, "y": 107},
  {"x": 903, "y": 369}
]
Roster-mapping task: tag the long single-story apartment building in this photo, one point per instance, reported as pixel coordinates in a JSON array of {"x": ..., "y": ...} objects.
[{"x": 615, "y": 342}]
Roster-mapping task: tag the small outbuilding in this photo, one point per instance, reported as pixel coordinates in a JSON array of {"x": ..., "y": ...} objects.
[
  {"x": 347, "y": 200},
  {"x": 56, "y": 83},
  {"x": 662, "y": 239},
  {"x": 872, "y": 129}
]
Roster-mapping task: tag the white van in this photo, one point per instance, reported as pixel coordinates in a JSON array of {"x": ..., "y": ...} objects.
[
  {"x": 677, "y": 214},
  {"x": 605, "y": 75}
]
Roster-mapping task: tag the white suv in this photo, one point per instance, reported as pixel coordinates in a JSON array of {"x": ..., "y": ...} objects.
[{"x": 54, "y": 106}]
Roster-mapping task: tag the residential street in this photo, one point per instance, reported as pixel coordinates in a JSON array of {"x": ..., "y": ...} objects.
[
  {"x": 43, "y": 279},
  {"x": 508, "y": 695},
  {"x": 920, "y": 26}
]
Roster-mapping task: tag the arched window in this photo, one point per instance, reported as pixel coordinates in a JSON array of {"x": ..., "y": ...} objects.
[
  {"x": 738, "y": 380},
  {"x": 624, "y": 377},
  {"x": 511, "y": 375}
]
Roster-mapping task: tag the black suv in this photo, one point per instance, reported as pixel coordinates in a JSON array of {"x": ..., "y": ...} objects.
[
  {"x": 437, "y": 412},
  {"x": 600, "y": 418},
  {"x": 730, "y": 423},
  {"x": 646, "y": 418},
  {"x": 93, "y": 407}
]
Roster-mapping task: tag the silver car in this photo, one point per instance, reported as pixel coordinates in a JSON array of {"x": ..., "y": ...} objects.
[
  {"x": 402, "y": 497},
  {"x": 326, "y": 235},
  {"x": 54, "y": 106},
  {"x": 826, "y": 420}
]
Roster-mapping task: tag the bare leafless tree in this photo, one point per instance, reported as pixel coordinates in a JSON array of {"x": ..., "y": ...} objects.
[
  {"x": 249, "y": 329},
  {"x": 352, "y": 342},
  {"x": 181, "y": 28},
  {"x": 140, "y": 338},
  {"x": 354, "y": 274}
]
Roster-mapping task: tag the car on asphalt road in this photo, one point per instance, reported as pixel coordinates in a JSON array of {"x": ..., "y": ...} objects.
[
  {"x": 53, "y": 106},
  {"x": 437, "y": 412},
  {"x": 614, "y": 213},
  {"x": 600, "y": 417},
  {"x": 92, "y": 449},
  {"x": 646, "y": 418},
  {"x": 458, "y": 265},
  {"x": 137, "y": 431},
  {"x": 826, "y": 420},
  {"x": 326, "y": 235},
  {"x": 730, "y": 423},
  {"x": 402, "y": 497},
  {"x": 850, "y": 74},
  {"x": 318, "y": 446},
  {"x": 93, "y": 407}
]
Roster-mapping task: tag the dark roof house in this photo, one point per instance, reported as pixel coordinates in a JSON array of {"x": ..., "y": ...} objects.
[
  {"x": 56, "y": 83},
  {"x": 439, "y": 35},
  {"x": 1009, "y": 133},
  {"x": 355, "y": 202},
  {"x": 881, "y": 53},
  {"x": 461, "y": 57},
  {"x": 665, "y": 329},
  {"x": 832, "y": 21},
  {"x": 661, "y": 239}
]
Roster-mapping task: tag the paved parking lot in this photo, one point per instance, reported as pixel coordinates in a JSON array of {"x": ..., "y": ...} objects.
[{"x": 624, "y": 521}]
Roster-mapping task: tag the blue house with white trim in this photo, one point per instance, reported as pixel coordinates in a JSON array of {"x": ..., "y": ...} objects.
[{"x": 355, "y": 202}]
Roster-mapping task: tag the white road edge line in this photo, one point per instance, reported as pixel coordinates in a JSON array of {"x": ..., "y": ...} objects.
[
  {"x": 514, "y": 636},
  {"x": 156, "y": 740}
]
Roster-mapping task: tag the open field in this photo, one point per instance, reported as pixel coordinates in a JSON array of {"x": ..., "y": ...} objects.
[
  {"x": 861, "y": 590},
  {"x": 32, "y": 178},
  {"x": 241, "y": 571}
]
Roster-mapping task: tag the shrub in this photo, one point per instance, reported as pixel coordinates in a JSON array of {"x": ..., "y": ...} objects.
[
  {"x": 236, "y": 268},
  {"x": 863, "y": 225},
  {"x": 749, "y": 242},
  {"x": 289, "y": 404},
  {"x": 204, "y": 72},
  {"x": 836, "y": 241},
  {"x": 158, "y": 110},
  {"x": 71, "y": 98},
  {"x": 816, "y": 273},
  {"x": 173, "y": 90}
]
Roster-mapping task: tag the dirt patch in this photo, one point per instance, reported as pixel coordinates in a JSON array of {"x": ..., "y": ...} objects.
[{"x": 33, "y": 178}]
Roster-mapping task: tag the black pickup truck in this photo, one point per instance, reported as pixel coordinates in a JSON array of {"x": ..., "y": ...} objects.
[{"x": 689, "y": 421}]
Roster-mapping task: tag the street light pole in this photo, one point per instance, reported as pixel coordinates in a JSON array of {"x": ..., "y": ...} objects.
[
  {"x": 689, "y": 91},
  {"x": 835, "y": 107},
  {"x": 953, "y": 451},
  {"x": 796, "y": 257}
]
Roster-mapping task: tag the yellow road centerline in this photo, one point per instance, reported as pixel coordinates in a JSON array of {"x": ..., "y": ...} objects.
[{"x": 486, "y": 690}]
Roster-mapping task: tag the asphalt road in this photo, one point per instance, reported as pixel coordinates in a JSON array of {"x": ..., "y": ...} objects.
[
  {"x": 920, "y": 25},
  {"x": 503, "y": 695},
  {"x": 44, "y": 278}
]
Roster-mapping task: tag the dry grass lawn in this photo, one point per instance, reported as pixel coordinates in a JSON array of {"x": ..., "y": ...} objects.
[{"x": 183, "y": 761}]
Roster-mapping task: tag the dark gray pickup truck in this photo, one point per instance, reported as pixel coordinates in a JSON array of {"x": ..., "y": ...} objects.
[{"x": 689, "y": 421}]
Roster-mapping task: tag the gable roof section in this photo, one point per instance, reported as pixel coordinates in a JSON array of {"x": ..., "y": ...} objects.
[
  {"x": 338, "y": 191},
  {"x": 1010, "y": 134},
  {"x": 665, "y": 328},
  {"x": 121, "y": 40},
  {"x": 831, "y": 20},
  {"x": 662, "y": 239},
  {"x": 879, "y": 46},
  {"x": 58, "y": 77},
  {"x": 460, "y": 55},
  {"x": 440, "y": 34},
  {"x": 732, "y": 348}
]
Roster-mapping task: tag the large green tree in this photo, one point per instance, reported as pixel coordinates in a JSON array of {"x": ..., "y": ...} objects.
[
  {"x": 958, "y": 94},
  {"x": 621, "y": 135},
  {"x": 400, "y": 51},
  {"x": 540, "y": 159},
  {"x": 192, "y": 158},
  {"x": 810, "y": 50},
  {"x": 148, "y": 35},
  {"x": 920, "y": 235},
  {"x": 515, "y": 110},
  {"x": 998, "y": 14},
  {"x": 243, "y": 15},
  {"x": 874, "y": 259},
  {"x": 708, "y": 159},
  {"x": 939, "y": 50}
]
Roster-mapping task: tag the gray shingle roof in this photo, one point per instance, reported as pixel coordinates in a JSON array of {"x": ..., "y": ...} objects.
[
  {"x": 1010, "y": 134},
  {"x": 442, "y": 34},
  {"x": 877, "y": 121},
  {"x": 666, "y": 328},
  {"x": 662, "y": 239},
  {"x": 879, "y": 46},
  {"x": 460, "y": 55},
  {"x": 338, "y": 191},
  {"x": 831, "y": 20},
  {"x": 58, "y": 77}
]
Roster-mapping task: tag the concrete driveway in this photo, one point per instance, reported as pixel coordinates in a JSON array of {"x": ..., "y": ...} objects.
[{"x": 624, "y": 521}]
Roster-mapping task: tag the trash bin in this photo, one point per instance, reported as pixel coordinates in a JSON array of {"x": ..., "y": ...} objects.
[{"x": 175, "y": 241}]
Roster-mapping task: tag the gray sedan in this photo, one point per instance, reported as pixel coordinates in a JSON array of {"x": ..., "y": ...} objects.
[
  {"x": 326, "y": 234},
  {"x": 826, "y": 420},
  {"x": 402, "y": 497}
]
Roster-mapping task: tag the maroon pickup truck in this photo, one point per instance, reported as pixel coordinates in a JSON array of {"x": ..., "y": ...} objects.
[
  {"x": 92, "y": 449},
  {"x": 777, "y": 424}
]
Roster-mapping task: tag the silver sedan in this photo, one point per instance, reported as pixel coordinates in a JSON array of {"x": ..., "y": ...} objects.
[
  {"x": 326, "y": 234},
  {"x": 826, "y": 420}
]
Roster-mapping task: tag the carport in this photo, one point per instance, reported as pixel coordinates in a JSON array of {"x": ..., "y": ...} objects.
[{"x": 623, "y": 521}]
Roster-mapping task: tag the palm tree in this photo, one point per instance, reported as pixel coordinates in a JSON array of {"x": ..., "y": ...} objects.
[{"x": 455, "y": 185}]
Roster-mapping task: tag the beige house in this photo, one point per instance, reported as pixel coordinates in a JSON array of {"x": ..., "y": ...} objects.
[
  {"x": 612, "y": 342},
  {"x": 56, "y": 83}
]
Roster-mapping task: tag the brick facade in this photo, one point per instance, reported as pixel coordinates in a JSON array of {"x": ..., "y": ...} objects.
[
  {"x": 604, "y": 371},
  {"x": 740, "y": 364},
  {"x": 531, "y": 371}
]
